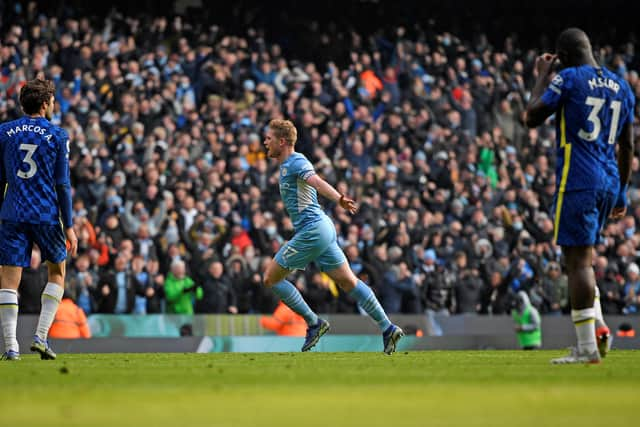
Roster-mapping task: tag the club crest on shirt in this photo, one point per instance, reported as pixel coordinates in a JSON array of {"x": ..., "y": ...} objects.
[{"x": 284, "y": 171}]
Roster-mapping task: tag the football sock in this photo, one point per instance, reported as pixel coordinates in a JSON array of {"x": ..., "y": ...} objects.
[
  {"x": 293, "y": 299},
  {"x": 368, "y": 302},
  {"x": 50, "y": 299},
  {"x": 9, "y": 318},
  {"x": 584, "y": 321},
  {"x": 598, "y": 308}
]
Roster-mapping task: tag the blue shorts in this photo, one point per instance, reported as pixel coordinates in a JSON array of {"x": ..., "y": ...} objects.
[
  {"x": 580, "y": 215},
  {"x": 316, "y": 242},
  {"x": 17, "y": 239}
]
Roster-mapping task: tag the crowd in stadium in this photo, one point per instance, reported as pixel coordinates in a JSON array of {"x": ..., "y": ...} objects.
[{"x": 177, "y": 207}]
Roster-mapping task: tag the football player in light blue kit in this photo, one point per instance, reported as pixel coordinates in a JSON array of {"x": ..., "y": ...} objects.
[
  {"x": 594, "y": 110},
  {"x": 314, "y": 240}
]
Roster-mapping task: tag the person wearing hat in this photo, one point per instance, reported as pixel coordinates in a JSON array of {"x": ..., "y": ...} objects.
[
  {"x": 527, "y": 322},
  {"x": 436, "y": 290}
]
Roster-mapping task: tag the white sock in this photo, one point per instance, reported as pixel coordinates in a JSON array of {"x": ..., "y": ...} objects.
[
  {"x": 598, "y": 308},
  {"x": 9, "y": 318},
  {"x": 584, "y": 321},
  {"x": 51, "y": 297}
]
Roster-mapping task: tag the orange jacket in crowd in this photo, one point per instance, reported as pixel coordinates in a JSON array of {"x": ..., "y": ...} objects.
[
  {"x": 70, "y": 322},
  {"x": 285, "y": 322}
]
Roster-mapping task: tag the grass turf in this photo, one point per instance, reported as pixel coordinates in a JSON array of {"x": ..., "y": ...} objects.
[{"x": 434, "y": 388}]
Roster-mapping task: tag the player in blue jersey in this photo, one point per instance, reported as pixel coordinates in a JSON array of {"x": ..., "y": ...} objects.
[
  {"x": 314, "y": 239},
  {"x": 35, "y": 209},
  {"x": 594, "y": 110}
]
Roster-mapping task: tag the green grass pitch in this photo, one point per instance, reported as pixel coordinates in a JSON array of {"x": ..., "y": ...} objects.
[{"x": 433, "y": 388}]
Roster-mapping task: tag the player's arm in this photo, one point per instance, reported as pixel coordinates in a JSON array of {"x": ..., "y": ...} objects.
[
  {"x": 625, "y": 157},
  {"x": 63, "y": 191},
  {"x": 328, "y": 191},
  {"x": 3, "y": 179},
  {"x": 537, "y": 109}
]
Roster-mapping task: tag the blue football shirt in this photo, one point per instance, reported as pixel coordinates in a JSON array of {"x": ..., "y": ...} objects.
[
  {"x": 34, "y": 158},
  {"x": 592, "y": 105},
  {"x": 300, "y": 199}
]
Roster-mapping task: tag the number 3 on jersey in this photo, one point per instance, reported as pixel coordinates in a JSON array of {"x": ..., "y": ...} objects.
[
  {"x": 28, "y": 159},
  {"x": 596, "y": 104}
]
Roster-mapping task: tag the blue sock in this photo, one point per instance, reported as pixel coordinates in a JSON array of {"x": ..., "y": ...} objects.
[
  {"x": 292, "y": 299},
  {"x": 369, "y": 303}
]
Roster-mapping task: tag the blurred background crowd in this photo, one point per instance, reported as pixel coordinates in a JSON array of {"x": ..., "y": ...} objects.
[{"x": 177, "y": 208}]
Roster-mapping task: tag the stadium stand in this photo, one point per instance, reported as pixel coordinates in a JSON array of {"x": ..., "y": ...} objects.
[{"x": 422, "y": 124}]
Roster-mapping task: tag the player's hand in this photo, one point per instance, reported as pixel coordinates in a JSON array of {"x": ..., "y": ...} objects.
[
  {"x": 544, "y": 63},
  {"x": 620, "y": 208},
  {"x": 72, "y": 241},
  {"x": 348, "y": 204}
]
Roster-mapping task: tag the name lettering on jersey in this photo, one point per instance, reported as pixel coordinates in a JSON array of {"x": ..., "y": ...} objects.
[
  {"x": 29, "y": 128},
  {"x": 597, "y": 82}
]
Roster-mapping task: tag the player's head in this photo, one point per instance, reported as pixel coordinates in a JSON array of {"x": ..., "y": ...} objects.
[
  {"x": 280, "y": 134},
  {"x": 573, "y": 48},
  {"x": 37, "y": 96}
]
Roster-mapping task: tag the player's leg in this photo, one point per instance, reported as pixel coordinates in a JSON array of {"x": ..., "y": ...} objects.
[
  {"x": 605, "y": 202},
  {"x": 296, "y": 254},
  {"x": 577, "y": 225},
  {"x": 603, "y": 333},
  {"x": 362, "y": 293},
  {"x": 275, "y": 278},
  {"x": 15, "y": 253},
  {"x": 582, "y": 284},
  {"x": 9, "y": 310},
  {"x": 52, "y": 243}
]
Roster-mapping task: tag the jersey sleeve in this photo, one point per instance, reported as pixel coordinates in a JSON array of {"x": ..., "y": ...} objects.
[
  {"x": 558, "y": 90},
  {"x": 304, "y": 169},
  {"x": 62, "y": 159}
]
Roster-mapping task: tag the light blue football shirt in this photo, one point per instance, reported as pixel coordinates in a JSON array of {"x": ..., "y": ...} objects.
[{"x": 300, "y": 199}]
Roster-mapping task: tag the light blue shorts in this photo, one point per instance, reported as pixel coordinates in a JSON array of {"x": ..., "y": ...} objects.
[{"x": 316, "y": 242}]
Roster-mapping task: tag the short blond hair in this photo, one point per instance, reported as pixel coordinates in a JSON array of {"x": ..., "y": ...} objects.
[{"x": 284, "y": 129}]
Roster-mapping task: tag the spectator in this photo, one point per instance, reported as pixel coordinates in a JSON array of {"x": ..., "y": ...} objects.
[
  {"x": 631, "y": 290},
  {"x": 611, "y": 290},
  {"x": 401, "y": 293},
  {"x": 554, "y": 290},
  {"x": 425, "y": 125},
  {"x": 115, "y": 293},
  {"x": 527, "y": 322},
  {"x": 155, "y": 291},
  {"x": 180, "y": 290},
  {"x": 284, "y": 322},
  {"x": 83, "y": 284},
  {"x": 467, "y": 285},
  {"x": 218, "y": 295},
  {"x": 437, "y": 294},
  {"x": 320, "y": 293}
]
